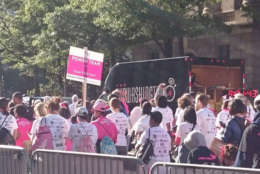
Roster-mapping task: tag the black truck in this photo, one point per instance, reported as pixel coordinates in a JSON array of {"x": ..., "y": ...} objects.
[{"x": 140, "y": 79}]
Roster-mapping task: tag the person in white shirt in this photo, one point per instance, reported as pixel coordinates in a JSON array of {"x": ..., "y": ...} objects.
[
  {"x": 160, "y": 139},
  {"x": 205, "y": 118},
  {"x": 6, "y": 120},
  {"x": 166, "y": 112},
  {"x": 136, "y": 113},
  {"x": 83, "y": 130},
  {"x": 73, "y": 105},
  {"x": 143, "y": 123},
  {"x": 189, "y": 124},
  {"x": 53, "y": 129},
  {"x": 184, "y": 101},
  {"x": 39, "y": 110},
  {"x": 222, "y": 118},
  {"x": 121, "y": 122}
]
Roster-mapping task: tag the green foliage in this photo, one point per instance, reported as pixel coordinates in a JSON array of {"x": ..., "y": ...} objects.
[
  {"x": 157, "y": 20},
  {"x": 253, "y": 12},
  {"x": 35, "y": 35}
]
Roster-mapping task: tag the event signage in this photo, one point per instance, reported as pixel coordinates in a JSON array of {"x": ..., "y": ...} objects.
[{"x": 85, "y": 66}]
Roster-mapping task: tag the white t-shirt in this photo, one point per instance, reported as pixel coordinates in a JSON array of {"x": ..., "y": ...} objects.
[
  {"x": 250, "y": 113},
  {"x": 223, "y": 116},
  {"x": 10, "y": 123},
  {"x": 121, "y": 122},
  {"x": 72, "y": 108},
  {"x": 142, "y": 124},
  {"x": 167, "y": 116},
  {"x": 179, "y": 116},
  {"x": 135, "y": 115},
  {"x": 59, "y": 129},
  {"x": 184, "y": 129},
  {"x": 161, "y": 143},
  {"x": 206, "y": 123},
  {"x": 77, "y": 131},
  {"x": 35, "y": 126}
]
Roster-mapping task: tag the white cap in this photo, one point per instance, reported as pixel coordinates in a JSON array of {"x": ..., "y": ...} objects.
[
  {"x": 257, "y": 99},
  {"x": 241, "y": 97},
  {"x": 74, "y": 98}
]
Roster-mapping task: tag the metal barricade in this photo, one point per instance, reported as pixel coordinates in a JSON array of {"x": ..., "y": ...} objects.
[
  {"x": 13, "y": 160},
  {"x": 173, "y": 168},
  {"x": 62, "y": 162}
]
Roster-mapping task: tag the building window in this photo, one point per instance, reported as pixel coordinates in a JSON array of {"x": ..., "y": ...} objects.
[
  {"x": 228, "y": 5},
  {"x": 224, "y": 51}
]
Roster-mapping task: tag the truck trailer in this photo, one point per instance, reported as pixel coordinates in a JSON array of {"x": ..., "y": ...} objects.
[{"x": 140, "y": 79}]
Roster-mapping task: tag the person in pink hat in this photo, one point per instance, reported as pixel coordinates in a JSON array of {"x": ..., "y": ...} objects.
[{"x": 105, "y": 127}]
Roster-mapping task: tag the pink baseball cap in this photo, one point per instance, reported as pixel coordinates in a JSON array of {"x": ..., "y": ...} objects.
[{"x": 100, "y": 105}]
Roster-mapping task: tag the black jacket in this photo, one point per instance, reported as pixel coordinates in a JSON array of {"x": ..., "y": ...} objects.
[{"x": 249, "y": 152}]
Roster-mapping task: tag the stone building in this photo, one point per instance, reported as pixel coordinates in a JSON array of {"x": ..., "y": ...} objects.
[{"x": 242, "y": 43}]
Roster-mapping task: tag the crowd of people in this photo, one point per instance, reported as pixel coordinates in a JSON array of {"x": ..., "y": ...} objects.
[{"x": 193, "y": 134}]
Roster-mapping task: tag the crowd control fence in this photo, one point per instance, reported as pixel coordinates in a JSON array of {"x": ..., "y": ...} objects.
[
  {"x": 171, "y": 168},
  {"x": 62, "y": 162},
  {"x": 13, "y": 160}
]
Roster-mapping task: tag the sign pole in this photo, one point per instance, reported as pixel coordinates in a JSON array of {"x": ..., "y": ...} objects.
[{"x": 84, "y": 83}]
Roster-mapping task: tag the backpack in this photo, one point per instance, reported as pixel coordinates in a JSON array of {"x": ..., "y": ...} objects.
[
  {"x": 43, "y": 137},
  {"x": 86, "y": 144},
  {"x": 145, "y": 152},
  {"x": 5, "y": 136},
  {"x": 107, "y": 146}
]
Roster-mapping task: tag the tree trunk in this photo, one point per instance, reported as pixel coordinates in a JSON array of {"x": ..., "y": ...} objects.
[
  {"x": 36, "y": 81},
  {"x": 180, "y": 46},
  {"x": 168, "y": 48},
  {"x": 65, "y": 88}
]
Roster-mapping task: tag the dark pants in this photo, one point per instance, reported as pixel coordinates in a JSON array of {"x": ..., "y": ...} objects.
[{"x": 122, "y": 150}]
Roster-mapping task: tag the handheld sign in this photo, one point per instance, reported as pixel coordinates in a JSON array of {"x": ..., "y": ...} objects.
[{"x": 84, "y": 67}]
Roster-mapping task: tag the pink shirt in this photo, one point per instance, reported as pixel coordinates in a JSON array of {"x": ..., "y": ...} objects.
[
  {"x": 105, "y": 127},
  {"x": 24, "y": 128}
]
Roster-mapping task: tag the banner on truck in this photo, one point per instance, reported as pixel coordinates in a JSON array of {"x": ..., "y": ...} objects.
[{"x": 88, "y": 66}]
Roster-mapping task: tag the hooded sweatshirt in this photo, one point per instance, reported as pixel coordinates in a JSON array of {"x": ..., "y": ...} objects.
[
  {"x": 249, "y": 153},
  {"x": 193, "y": 140}
]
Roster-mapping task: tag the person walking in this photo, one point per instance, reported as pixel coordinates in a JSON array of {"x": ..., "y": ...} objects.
[
  {"x": 53, "y": 129},
  {"x": 136, "y": 113},
  {"x": 167, "y": 114},
  {"x": 105, "y": 127},
  {"x": 236, "y": 126},
  {"x": 189, "y": 124},
  {"x": 205, "y": 118},
  {"x": 40, "y": 112},
  {"x": 24, "y": 126},
  {"x": 248, "y": 152},
  {"x": 160, "y": 139},
  {"x": 8, "y": 122},
  {"x": 83, "y": 134},
  {"x": 143, "y": 123},
  {"x": 73, "y": 105},
  {"x": 121, "y": 122}
]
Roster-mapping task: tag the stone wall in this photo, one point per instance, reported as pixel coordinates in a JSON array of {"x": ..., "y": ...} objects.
[{"x": 244, "y": 43}]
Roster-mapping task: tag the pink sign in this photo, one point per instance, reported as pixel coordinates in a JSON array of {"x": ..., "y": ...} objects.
[{"x": 83, "y": 66}]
